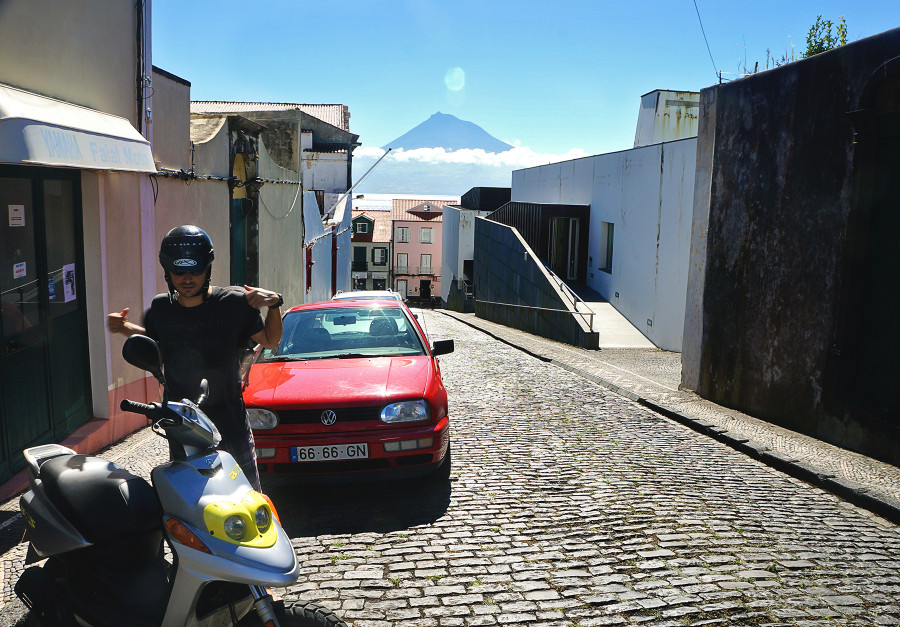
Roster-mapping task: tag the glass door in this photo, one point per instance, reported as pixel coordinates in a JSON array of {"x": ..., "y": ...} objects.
[
  {"x": 23, "y": 361},
  {"x": 44, "y": 382}
]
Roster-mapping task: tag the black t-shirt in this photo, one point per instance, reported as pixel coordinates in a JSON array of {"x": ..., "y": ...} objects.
[{"x": 205, "y": 342}]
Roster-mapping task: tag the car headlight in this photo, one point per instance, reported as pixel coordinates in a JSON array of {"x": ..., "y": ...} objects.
[
  {"x": 262, "y": 419},
  {"x": 407, "y": 411}
]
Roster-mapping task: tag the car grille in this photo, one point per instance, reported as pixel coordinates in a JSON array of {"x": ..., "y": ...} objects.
[{"x": 314, "y": 416}]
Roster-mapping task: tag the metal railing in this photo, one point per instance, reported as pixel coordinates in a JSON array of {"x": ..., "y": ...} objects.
[
  {"x": 426, "y": 270},
  {"x": 590, "y": 314}
]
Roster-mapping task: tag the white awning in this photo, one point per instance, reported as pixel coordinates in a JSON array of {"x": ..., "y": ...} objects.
[{"x": 37, "y": 130}]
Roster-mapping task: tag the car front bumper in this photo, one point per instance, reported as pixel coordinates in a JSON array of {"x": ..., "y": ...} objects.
[{"x": 381, "y": 464}]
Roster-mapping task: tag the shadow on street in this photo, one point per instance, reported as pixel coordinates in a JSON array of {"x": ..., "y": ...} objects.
[{"x": 358, "y": 508}]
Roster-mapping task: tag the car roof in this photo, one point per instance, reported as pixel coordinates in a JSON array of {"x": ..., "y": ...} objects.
[
  {"x": 367, "y": 294},
  {"x": 387, "y": 303}
]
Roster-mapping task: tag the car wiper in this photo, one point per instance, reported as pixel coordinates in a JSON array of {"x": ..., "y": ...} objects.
[
  {"x": 281, "y": 358},
  {"x": 352, "y": 356}
]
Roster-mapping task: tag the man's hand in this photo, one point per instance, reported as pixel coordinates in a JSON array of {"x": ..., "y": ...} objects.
[
  {"x": 259, "y": 298},
  {"x": 118, "y": 321}
]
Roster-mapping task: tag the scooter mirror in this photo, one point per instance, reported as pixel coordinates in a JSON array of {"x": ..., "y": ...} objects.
[{"x": 142, "y": 352}]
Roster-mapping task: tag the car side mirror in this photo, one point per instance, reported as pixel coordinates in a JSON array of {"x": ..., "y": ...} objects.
[
  {"x": 143, "y": 352},
  {"x": 442, "y": 347}
]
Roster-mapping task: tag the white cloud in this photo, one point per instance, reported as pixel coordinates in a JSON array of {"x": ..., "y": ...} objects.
[{"x": 517, "y": 158}]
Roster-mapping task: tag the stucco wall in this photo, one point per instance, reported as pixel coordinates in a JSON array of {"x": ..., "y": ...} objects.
[
  {"x": 81, "y": 52},
  {"x": 280, "y": 231},
  {"x": 780, "y": 204},
  {"x": 647, "y": 194},
  {"x": 172, "y": 123},
  {"x": 507, "y": 274}
]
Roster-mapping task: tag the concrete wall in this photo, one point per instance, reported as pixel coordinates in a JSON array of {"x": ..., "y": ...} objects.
[
  {"x": 513, "y": 288},
  {"x": 81, "y": 52},
  {"x": 780, "y": 160},
  {"x": 667, "y": 116},
  {"x": 171, "y": 132},
  {"x": 317, "y": 236},
  {"x": 450, "y": 252},
  {"x": 343, "y": 221},
  {"x": 326, "y": 171},
  {"x": 647, "y": 194},
  {"x": 457, "y": 246}
]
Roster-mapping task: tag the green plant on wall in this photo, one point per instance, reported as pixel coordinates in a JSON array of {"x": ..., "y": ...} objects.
[
  {"x": 821, "y": 38},
  {"x": 823, "y": 35}
]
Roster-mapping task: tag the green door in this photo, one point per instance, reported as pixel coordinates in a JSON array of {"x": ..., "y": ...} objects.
[{"x": 44, "y": 390}]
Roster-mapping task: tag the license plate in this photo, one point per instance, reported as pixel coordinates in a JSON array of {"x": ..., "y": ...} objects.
[{"x": 329, "y": 453}]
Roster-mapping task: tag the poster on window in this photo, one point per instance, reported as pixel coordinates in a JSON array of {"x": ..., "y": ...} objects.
[
  {"x": 69, "y": 282},
  {"x": 20, "y": 270},
  {"x": 16, "y": 215}
]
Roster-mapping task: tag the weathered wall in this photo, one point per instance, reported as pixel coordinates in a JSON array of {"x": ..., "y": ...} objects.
[
  {"x": 780, "y": 201},
  {"x": 280, "y": 231},
  {"x": 508, "y": 273}
]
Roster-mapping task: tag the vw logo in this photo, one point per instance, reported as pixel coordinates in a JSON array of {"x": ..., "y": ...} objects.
[{"x": 328, "y": 417}]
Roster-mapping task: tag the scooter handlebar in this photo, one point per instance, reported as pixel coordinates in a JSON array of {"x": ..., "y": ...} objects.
[{"x": 138, "y": 408}]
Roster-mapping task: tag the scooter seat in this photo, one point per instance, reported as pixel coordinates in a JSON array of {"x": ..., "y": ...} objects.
[{"x": 104, "y": 502}]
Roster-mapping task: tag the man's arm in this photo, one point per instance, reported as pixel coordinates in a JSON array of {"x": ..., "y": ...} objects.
[
  {"x": 118, "y": 323},
  {"x": 258, "y": 298}
]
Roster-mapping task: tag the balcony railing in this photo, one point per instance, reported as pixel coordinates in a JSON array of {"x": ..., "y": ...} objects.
[
  {"x": 425, "y": 270},
  {"x": 401, "y": 269}
]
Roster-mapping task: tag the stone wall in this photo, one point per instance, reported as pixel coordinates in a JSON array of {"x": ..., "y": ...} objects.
[{"x": 782, "y": 196}]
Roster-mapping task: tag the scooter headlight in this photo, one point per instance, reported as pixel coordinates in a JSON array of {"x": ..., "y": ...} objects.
[
  {"x": 247, "y": 522},
  {"x": 263, "y": 520},
  {"x": 235, "y": 527}
]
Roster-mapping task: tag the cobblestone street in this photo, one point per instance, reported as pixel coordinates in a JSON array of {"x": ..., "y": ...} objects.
[{"x": 570, "y": 505}]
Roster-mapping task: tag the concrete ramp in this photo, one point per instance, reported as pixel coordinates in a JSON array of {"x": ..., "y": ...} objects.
[{"x": 612, "y": 328}]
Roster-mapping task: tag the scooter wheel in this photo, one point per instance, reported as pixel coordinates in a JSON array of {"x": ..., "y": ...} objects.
[{"x": 304, "y": 614}]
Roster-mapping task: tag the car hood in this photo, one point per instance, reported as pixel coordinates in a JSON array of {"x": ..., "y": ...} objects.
[{"x": 337, "y": 382}]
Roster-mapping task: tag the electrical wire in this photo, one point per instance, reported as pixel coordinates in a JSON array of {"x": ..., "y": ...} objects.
[{"x": 715, "y": 69}]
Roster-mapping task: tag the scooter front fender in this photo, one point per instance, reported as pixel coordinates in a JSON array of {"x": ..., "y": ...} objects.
[{"x": 196, "y": 569}]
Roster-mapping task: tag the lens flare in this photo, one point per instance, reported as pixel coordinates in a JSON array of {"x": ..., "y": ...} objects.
[{"x": 455, "y": 79}]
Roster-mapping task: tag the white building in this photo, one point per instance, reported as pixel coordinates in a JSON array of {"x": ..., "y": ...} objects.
[{"x": 641, "y": 204}]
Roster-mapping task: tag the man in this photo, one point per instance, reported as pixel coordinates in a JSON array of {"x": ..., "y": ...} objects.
[{"x": 202, "y": 332}]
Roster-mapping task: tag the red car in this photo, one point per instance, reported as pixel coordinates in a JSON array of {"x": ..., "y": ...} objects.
[{"x": 353, "y": 391}]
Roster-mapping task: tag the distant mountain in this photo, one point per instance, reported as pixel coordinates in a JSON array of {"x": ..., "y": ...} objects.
[{"x": 443, "y": 130}]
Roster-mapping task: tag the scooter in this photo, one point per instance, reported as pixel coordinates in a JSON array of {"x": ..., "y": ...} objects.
[{"x": 100, "y": 529}]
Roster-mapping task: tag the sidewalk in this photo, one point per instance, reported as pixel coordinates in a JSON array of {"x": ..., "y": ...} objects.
[{"x": 651, "y": 377}]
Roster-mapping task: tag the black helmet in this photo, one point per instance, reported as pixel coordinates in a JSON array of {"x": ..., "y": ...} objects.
[{"x": 186, "y": 248}]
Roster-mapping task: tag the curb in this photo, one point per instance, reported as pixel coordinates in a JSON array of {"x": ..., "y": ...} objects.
[{"x": 850, "y": 491}]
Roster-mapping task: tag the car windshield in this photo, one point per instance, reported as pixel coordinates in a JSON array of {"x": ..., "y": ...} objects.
[{"x": 345, "y": 332}]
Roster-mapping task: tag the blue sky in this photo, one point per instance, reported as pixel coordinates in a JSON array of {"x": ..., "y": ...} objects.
[{"x": 554, "y": 77}]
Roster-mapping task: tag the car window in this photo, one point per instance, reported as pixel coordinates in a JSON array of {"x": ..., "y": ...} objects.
[{"x": 345, "y": 332}]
